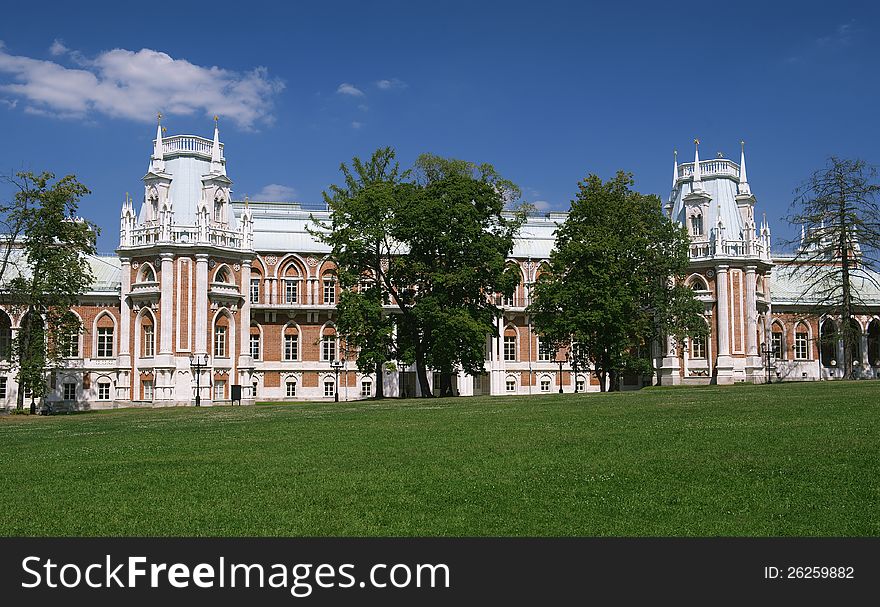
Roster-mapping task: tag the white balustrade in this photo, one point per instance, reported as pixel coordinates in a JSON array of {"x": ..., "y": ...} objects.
[
  {"x": 189, "y": 143},
  {"x": 710, "y": 168}
]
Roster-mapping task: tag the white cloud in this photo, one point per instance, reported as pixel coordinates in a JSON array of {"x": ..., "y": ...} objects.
[
  {"x": 58, "y": 48},
  {"x": 541, "y": 205},
  {"x": 275, "y": 192},
  {"x": 394, "y": 83},
  {"x": 356, "y": 125},
  {"x": 10, "y": 103},
  {"x": 349, "y": 89},
  {"x": 136, "y": 84}
]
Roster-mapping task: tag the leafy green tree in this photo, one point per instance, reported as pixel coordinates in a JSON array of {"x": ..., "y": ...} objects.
[
  {"x": 434, "y": 248},
  {"x": 361, "y": 213},
  {"x": 838, "y": 254},
  {"x": 55, "y": 274},
  {"x": 613, "y": 286}
]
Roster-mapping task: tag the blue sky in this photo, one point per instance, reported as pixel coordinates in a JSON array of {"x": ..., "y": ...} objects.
[{"x": 547, "y": 92}]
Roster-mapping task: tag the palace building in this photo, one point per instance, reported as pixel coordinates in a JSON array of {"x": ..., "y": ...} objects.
[{"x": 206, "y": 296}]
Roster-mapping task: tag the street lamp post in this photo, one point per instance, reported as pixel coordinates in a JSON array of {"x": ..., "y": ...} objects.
[
  {"x": 767, "y": 352},
  {"x": 560, "y": 361},
  {"x": 197, "y": 362},
  {"x": 336, "y": 364}
]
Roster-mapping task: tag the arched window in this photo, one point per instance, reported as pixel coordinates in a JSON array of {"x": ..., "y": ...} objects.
[
  {"x": 290, "y": 387},
  {"x": 219, "y": 214},
  {"x": 256, "y": 342},
  {"x": 828, "y": 343},
  {"x": 290, "y": 345},
  {"x": 510, "y": 343},
  {"x": 855, "y": 341},
  {"x": 777, "y": 340},
  {"x": 148, "y": 337},
  {"x": 328, "y": 281},
  {"x": 697, "y": 224},
  {"x": 801, "y": 342},
  {"x": 698, "y": 346},
  {"x": 6, "y": 336},
  {"x": 222, "y": 336},
  {"x": 698, "y": 283},
  {"x": 104, "y": 336},
  {"x": 328, "y": 343},
  {"x": 874, "y": 343},
  {"x": 292, "y": 279},
  {"x": 223, "y": 275},
  {"x": 147, "y": 274},
  {"x": 510, "y": 383},
  {"x": 256, "y": 281}
]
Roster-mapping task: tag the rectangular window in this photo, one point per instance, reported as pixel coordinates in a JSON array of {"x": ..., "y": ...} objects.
[
  {"x": 366, "y": 388},
  {"x": 579, "y": 385},
  {"x": 219, "y": 389},
  {"x": 545, "y": 352},
  {"x": 220, "y": 341},
  {"x": 148, "y": 389},
  {"x": 328, "y": 348},
  {"x": 291, "y": 291},
  {"x": 545, "y": 385},
  {"x": 2, "y": 387},
  {"x": 511, "y": 385},
  {"x": 329, "y": 388},
  {"x": 69, "y": 391},
  {"x": 698, "y": 347},
  {"x": 255, "y": 290},
  {"x": 290, "y": 389},
  {"x": 776, "y": 345},
  {"x": 149, "y": 341},
  {"x": 104, "y": 390},
  {"x": 329, "y": 292},
  {"x": 291, "y": 347},
  {"x": 800, "y": 346},
  {"x": 509, "y": 347},
  {"x": 70, "y": 346},
  {"x": 105, "y": 342},
  {"x": 255, "y": 347}
]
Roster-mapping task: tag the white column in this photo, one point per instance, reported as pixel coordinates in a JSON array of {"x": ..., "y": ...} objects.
[
  {"x": 723, "y": 319},
  {"x": 751, "y": 312},
  {"x": 201, "y": 329},
  {"x": 724, "y": 365},
  {"x": 123, "y": 359},
  {"x": 245, "y": 362},
  {"x": 166, "y": 303}
]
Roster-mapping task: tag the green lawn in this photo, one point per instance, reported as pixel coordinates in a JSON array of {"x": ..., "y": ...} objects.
[{"x": 796, "y": 459}]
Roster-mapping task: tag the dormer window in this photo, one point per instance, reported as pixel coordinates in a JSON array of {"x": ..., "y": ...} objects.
[{"x": 697, "y": 225}]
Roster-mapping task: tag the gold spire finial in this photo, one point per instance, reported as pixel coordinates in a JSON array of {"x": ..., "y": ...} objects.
[
  {"x": 216, "y": 119},
  {"x": 742, "y": 144},
  {"x": 164, "y": 130},
  {"x": 159, "y": 117},
  {"x": 675, "y": 153},
  {"x": 696, "y": 141}
]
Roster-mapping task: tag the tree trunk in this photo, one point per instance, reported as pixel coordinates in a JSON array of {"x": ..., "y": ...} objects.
[
  {"x": 446, "y": 384},
  {"x": 846, "y": 310},
  {"x": 380, "y": 380},
  {"x": 602, "y": 375},
  {"x": 422, "y": 372}
]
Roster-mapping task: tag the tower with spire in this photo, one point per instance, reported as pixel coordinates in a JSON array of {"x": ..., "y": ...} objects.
[
  {"x": 185, "y": 261},
  {"x": 730, "y": 269}
]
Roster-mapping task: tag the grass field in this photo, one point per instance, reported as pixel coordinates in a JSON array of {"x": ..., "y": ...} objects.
[{"x": 796, "y": 459}]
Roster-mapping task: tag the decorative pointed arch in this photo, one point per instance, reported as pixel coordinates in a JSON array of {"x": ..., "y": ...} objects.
[
  {"x": 511, "y": 342},
  {"x": 146, "y": 329},
  {"x": 874, "y": 342},
  {"x": 697, "y": 282},
  {"x": 329, "y": 342},
  {"x": 255, "y": 345},
  {"x": 291, "y": 342},
  {"x": 828, "y": 335},
  {"x": 146, "y": 273},
  {"x": 223, "y": 274},
  {"x": 104, "y": 335},
  {"x": 223, "y": 334}
]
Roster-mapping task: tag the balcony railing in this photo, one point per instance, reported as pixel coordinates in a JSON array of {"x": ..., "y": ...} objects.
[
  {"x": 710, "y": 168},
  {"x": 152, "y": 234},
  {"x": 188, "y": 144}
]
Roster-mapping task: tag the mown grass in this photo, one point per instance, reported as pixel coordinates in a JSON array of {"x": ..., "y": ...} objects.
[{"x": 795, "y": 459}]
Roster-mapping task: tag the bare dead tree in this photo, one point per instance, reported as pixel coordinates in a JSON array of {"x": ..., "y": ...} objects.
[{"x": 838, "y": 253}]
